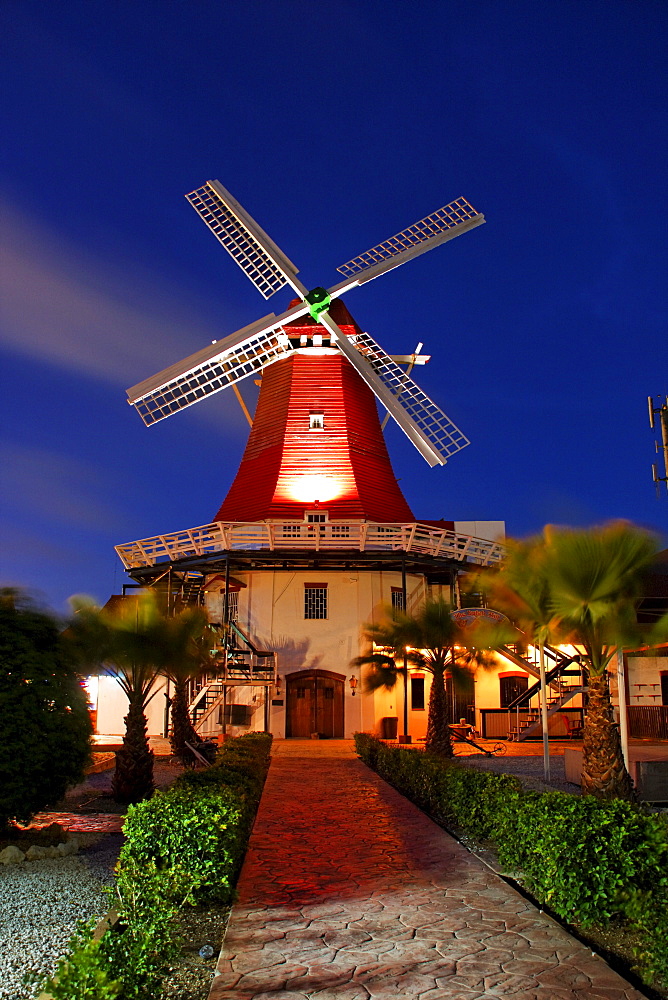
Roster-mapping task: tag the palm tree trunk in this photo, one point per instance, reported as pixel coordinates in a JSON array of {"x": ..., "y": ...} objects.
[
  {"x": 603, "y": 771},
  {"x": 133, "y": 778},
  {"x": 182, "y": 727},
  {"x": 438, "y": 739}
]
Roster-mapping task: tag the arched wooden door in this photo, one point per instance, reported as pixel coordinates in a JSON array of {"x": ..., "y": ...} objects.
[{"x": 314, "y": 704}]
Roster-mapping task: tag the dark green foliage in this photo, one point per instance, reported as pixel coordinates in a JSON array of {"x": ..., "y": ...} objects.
[
  {"x": 203, "y": 821},
  {"x": 45, "y": 728},
  {"x": 182, "y": 846},
  {"x": 148, "y": 901},
  {"x": 588, "y": 860},
  {"x": 84, "y": 973}
]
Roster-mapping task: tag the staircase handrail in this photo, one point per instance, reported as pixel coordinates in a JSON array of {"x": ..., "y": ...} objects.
[
  {"x": 249, "y": 642},
  {"x": 550, "y": 676}
]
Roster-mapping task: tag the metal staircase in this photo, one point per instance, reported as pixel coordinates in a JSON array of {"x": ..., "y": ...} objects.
[
  {"x": 242, "y": 664},
  {"x": 561, "y": 689},
  {"x": 191, "y": 590}
]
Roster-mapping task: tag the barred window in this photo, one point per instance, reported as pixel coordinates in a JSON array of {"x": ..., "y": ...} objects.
[
  {"x": 397, "y": 599},
  {"x": 233, "y": 606},
  {"x": 315, "y": 600}
]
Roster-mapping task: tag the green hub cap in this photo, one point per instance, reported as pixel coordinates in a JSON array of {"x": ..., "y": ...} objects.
[{"x": 318, "y": 302}]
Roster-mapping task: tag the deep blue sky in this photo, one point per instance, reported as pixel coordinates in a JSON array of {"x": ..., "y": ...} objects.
[{"x": 336, "y": 124}]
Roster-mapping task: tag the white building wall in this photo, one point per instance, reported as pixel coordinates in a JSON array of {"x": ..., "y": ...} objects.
[
  {"x": 644, "y": 673},
  {"x": 112, "y": 707},
  {"x": 493, "y": 531},
  {"x": 271, "y": 612}
]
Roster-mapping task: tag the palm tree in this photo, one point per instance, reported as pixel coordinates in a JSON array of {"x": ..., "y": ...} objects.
[
  {"x": 133, "y": 641},
  {"x": 427, "y": 640},
  {"x": 595, "y": 581},
  {"x": 124, "y": 639},
  {"x": 184, "y": 654},
  {"x": 580, "y": 587}
]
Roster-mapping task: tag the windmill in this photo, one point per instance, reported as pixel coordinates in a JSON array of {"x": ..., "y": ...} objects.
[
  {"x": 310, "y": 324},
  {"x": 315, "y": 493}
]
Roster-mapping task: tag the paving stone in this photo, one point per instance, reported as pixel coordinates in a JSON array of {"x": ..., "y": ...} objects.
[
  {"x": 348, "y": 892},
  {"x": 351, "y": 992},
  {"x": 450, "y": 994}
]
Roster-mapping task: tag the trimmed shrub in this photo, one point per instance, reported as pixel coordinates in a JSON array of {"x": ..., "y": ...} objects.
[
  {"x": 185, "y": 845},
  {"x": 201, "y": 829},
  {"x": 203, "y": 821}
]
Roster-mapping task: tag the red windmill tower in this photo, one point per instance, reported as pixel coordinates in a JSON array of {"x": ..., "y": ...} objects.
[{"x": 316, "y": 439}]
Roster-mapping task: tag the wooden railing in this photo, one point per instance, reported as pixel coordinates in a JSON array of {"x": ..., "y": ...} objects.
[
  {"x": 648, "y": 721},
  {"x": 359, "y": 536}
]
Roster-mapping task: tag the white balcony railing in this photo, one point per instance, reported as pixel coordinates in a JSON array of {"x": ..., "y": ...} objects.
[{"x": 358, "y": 536}]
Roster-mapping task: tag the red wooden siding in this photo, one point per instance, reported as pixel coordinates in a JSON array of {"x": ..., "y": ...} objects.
[{"x": 350, "y": 450}]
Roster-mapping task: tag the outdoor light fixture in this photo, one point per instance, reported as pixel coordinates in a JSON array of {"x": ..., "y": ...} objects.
[
  {"x": 353, "y": 684},
  {"x": 278, "y": 687}
]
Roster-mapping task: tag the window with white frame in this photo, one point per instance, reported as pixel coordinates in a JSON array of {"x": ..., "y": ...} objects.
[
  {"x": 315, "y": 600},
  {"x": 316, "y": 421}
]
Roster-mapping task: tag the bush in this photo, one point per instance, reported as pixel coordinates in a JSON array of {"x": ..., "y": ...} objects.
[
  {"x": 148, "y": 902},
  {"x": 588, "y": 860},
  {"x": 185, "y": 845},
  {"x": 83, "y": 973},
  {"x": 46, "y": 729},
  {"x": 204, "y": 820}
]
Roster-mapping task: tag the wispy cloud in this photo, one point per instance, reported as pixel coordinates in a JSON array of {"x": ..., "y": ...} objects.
[
  {"x": 93, "y": 316},
  {"x": 88, "y": 315},
  {"x": 57, "y": 488}
]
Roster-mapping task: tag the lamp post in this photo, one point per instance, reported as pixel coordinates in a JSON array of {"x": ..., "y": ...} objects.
[
  {"x": 543, "y": 712},
  {"x": 621, "y": 697}
]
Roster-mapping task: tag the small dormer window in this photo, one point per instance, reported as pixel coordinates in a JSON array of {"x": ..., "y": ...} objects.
[
  {"x": 316, "y": 421},
  {"x": 315, "y": 517}
]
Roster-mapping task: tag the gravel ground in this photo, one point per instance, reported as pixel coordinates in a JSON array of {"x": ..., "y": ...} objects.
[
  {"x": 528, "y": 769},
  {"x": 40, "y": 904}
]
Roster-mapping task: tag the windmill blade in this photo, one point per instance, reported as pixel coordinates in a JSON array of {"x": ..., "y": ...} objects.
[
  {"x": 247, "y": 243},
  {"x": 452, "y": 220},
  {"x": 410, "y": 360},
  {"x": 213, "y": 368},
  {"x": 434, "y": 435}
]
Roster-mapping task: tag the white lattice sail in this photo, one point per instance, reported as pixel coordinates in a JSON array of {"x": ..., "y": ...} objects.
[{"x": 247, "y": 243}]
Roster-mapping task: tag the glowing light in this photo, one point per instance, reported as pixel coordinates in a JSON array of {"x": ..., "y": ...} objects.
[{"x": 309, "y": 488}]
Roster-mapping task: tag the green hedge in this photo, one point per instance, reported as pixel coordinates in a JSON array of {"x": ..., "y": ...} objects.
[
  {"x": 202, "y": 822},
  {"x": 588, "y": 860},
  {"x": 184, "y": 845}
]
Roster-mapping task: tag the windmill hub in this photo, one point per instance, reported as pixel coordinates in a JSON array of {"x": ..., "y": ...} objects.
[{"x": 318, "y": 302}]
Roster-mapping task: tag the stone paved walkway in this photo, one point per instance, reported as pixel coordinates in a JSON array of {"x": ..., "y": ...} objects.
[{"x": 349, "y": 892}]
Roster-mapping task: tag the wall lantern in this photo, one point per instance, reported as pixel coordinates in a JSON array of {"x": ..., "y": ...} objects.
[
  {"x": 278, "y": 687},
  {"x": 353, "y": 684}
]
